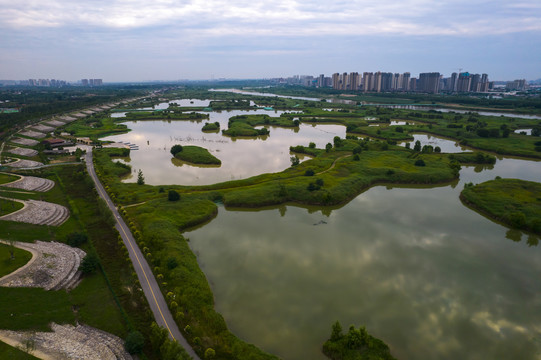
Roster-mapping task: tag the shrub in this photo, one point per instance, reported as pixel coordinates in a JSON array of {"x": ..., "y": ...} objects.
[
  {"x": 309, "y": 172},
  {"x": 76, "y": 239},
  {"x": 172, "y": 195},
  {"x": 175, "y": 149},
  {"x": 134, "y": 342},
  {"x": 420, "y": 162},
  {"x": 89, "y": 263}
]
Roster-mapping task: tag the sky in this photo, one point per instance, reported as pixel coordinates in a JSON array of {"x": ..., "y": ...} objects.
[{"x": 135, "y": 40}]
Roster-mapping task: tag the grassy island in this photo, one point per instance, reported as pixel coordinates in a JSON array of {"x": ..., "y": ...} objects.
[
  {"x": 516, "y": 203},
  {"x": 211, "y": 127},
  {"x": 197, "y": 155}
]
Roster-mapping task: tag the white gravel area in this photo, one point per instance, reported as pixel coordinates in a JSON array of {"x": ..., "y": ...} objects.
[
  {"x": 25, "y": 164},
  {"x": 53, "y": 266},
  {"x": 55, "y": 123},
  {"x": 39, "y": 213},
  {"x": 43, "y": 128},
  {"x": 80, "y": 342},
  {"x": 23, "y": 141},
  {"x": 31, "y": 183},
  {"x": 23, "y": 151},
  {"x": 33, "y": 134}
]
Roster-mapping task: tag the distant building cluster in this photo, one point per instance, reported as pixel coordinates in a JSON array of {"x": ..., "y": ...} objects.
[
  {"x": 518, "y": 85},
  {"x": 91, "y": 82},
  {"x": 432, "y": 82},
  {"x": 51, "y": 82},
  {"x": 43, "y": 82}
]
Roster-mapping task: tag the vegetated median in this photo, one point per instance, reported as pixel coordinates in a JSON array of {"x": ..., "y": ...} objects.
[
  {"x": 194, "y": 155},
  {"x": 516, "y": 203}
]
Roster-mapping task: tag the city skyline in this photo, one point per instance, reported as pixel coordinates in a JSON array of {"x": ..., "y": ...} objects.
[{"x": 170, "y": 40}]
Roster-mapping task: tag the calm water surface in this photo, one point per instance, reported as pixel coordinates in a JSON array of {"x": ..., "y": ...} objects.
[
  {"x": 432, "y": 278},
  {"x": 446, "y": 146},
  {"x": 241, "y": 158}
]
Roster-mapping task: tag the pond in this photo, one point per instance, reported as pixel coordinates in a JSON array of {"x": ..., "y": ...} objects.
[
  {"x": 446, "y": 146},
  {"x": 241, "y": 157},
  {"x": 430, "y": 277}
]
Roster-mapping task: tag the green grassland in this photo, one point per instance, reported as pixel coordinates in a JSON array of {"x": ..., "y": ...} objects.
[
  {"x": 197, "y": 155},
  {"x": 164, "y": 115},
  {"x": 8, "y": 206},
  {"x": 516, "y": 203},
  {"x": 7, "y": 178},
  {"x": 7, "y": 264},
  {"x": 11, "y": 353}
]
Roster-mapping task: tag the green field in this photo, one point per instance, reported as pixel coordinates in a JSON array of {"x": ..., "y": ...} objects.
[
  {"x": 7, "y": 178},
  {"x": 9, "y": 264},
  {"x": 11, "y": 353},
  {"x": 8, "y": 206}
]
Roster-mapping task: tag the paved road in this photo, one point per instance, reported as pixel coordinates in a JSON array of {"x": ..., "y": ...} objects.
[{"x": 146, "y": 278}]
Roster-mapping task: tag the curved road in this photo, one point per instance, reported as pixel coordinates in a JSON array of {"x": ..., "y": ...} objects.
[{"x": 146, "y": 278}]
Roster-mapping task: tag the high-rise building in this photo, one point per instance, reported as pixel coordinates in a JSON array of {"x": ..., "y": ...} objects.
[
  {"x": 336, "y": 81},
  {"x": 368, "y": 81},
  {"x": 463, "y": 82},
  {"x": 406, "y": 81},
  {"x": 429, "y": 82}
]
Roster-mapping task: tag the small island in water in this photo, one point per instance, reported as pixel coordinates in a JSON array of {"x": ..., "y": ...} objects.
[{"x": 195, "y": 155}]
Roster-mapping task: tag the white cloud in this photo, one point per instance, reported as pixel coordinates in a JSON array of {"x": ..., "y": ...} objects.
[{"x": 281, "y": 17}]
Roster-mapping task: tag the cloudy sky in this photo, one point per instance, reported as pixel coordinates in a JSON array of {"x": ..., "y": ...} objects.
[{"x": 135, "y": 40}]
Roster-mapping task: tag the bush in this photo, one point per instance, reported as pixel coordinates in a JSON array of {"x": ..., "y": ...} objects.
[
  {"x": 309, "y": 172},
  {"x": 420, "y": 162},
  {"x": 89, "y": 264},
  {"x": 175, "y": 149},
  {"x": 172, "y": 195},
  {"x": 172, "y": 263},
  {"x": 134, "y": 342},
  {"x": 76, "y": 239}
]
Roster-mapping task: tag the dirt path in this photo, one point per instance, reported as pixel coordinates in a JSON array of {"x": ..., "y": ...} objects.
[{"x": 333, "y": 164}]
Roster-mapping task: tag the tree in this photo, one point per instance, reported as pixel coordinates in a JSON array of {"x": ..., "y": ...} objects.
[
  {"x": 328, "y": 147},
  {"x": 140, "y": 178},
  {"x": 312, "y": 145},
  {"x": 175, "y": 149},
  {"x": 417, "y": 146},
  {"x": 337, "y": 141},
  {"x": 134, "y": 342},
  {"x": 336, "y": 333},
  {"x": 172, "y": 195},
  {"x": 210, "y": 353},
  {"x": 420, "y": 162},
  {"x": 294, "y": 160},
  {"x": 89, "y": 263}
]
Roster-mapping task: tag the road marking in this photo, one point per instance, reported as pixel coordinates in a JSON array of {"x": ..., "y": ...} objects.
[{"x": 103, "y": 194}]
